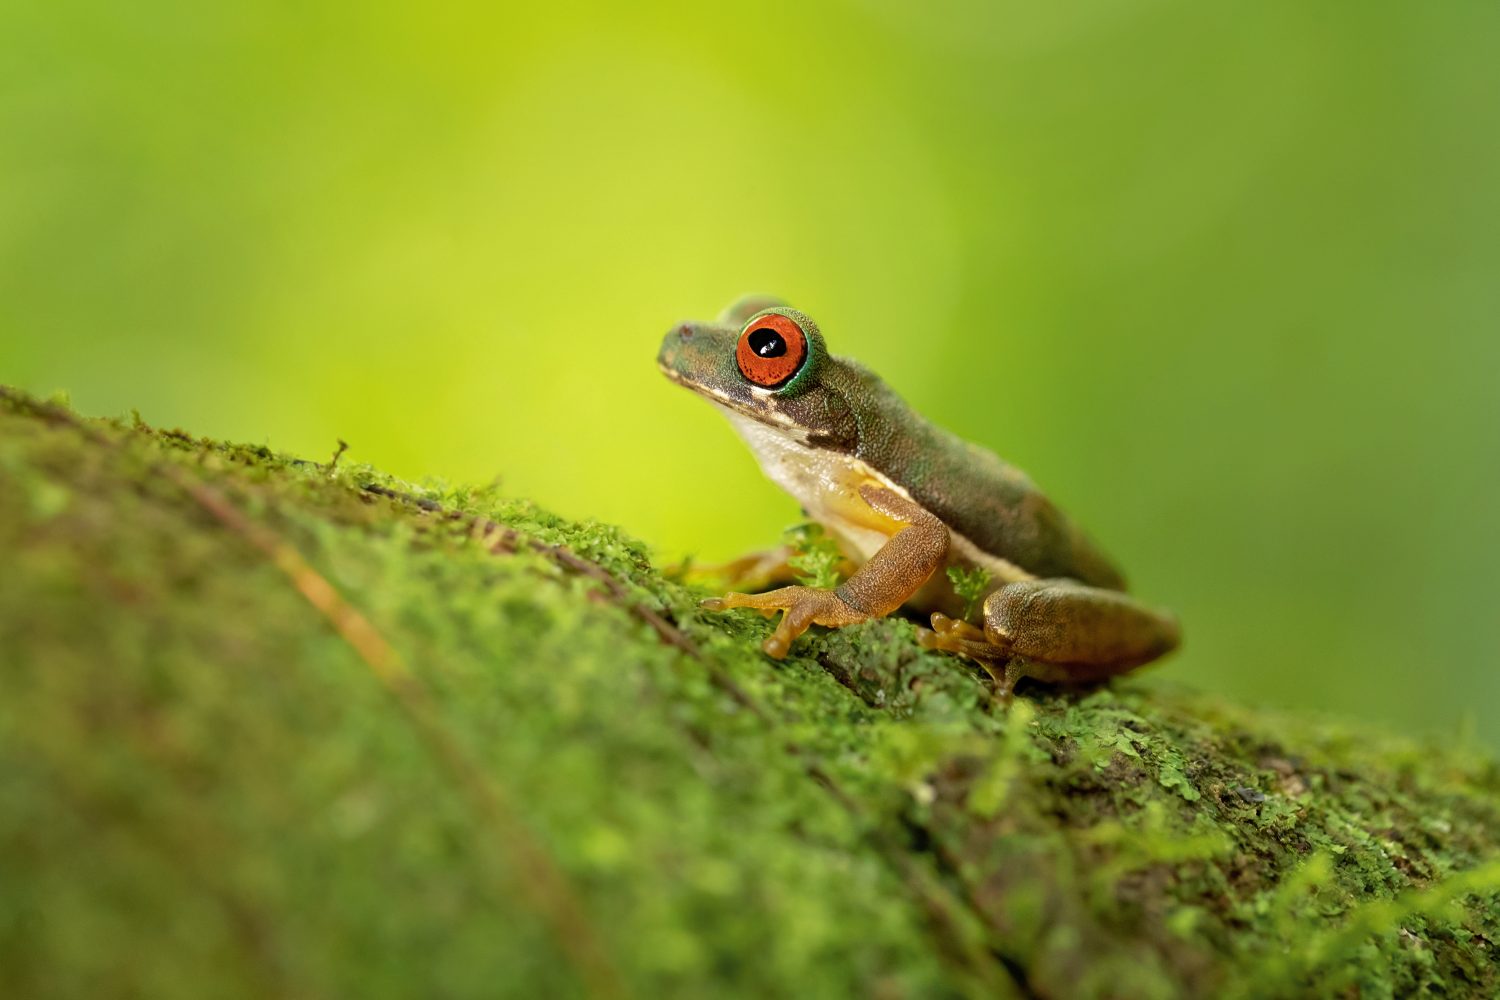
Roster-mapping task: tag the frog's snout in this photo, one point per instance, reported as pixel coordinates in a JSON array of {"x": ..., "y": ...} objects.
[
  {"x": 695, "y": 353},
  {"x": 678, "y": 339}
]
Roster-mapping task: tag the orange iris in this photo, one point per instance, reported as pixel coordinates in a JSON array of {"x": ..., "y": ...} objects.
[{"x": 771, "y": 350}]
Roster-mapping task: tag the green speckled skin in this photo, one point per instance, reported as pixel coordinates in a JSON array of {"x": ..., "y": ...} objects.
[{"x": 843, "y": 407}]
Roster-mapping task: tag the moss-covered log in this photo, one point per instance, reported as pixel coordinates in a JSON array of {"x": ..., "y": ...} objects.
[{"x": 279, "y": 728}]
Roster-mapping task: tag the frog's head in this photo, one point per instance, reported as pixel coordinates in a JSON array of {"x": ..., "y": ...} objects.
[{"x": 766, "y": 361}]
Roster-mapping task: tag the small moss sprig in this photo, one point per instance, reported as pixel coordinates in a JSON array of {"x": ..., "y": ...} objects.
[
  {"x": 815, "y": 556},
  {"x": 971, "y": 585}
]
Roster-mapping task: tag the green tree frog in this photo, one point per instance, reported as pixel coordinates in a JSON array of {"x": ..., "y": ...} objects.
[{"x": 906, "y": 501}]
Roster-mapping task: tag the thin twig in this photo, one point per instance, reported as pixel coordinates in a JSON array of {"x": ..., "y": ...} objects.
[
  {"x": 543, "y": 882},
  {"x": 333, "y": 463}
]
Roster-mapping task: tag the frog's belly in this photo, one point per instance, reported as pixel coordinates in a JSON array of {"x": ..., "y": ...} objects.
[{"x": 826, "y": 484}]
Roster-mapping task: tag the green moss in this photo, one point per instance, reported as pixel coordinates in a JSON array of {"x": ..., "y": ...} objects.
[
  {"x": 814, "y": 555},
  {"x": 205, "y": 788},
  {"x": 972, "y": 585}
]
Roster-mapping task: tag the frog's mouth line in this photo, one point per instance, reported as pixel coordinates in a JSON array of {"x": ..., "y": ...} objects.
[{"x": 765, "y": 413}]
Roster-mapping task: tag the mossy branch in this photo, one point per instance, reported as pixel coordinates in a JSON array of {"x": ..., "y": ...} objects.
[{"x": 278, "y": 727}]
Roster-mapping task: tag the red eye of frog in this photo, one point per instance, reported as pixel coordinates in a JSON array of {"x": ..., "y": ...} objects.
[{"x": 771, "y": 350}]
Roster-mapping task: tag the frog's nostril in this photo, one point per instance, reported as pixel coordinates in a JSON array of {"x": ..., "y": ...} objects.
[{"x": 685, "y": 331}]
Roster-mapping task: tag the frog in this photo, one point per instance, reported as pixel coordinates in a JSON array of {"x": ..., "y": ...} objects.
[{"x": 914, "y": 508}]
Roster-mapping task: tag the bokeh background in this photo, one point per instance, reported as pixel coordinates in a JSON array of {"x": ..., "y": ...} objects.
[{"x": 1224, "y": 278}]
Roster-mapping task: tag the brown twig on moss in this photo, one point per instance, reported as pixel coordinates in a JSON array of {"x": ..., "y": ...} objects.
[{"x": 333, "y": 463}]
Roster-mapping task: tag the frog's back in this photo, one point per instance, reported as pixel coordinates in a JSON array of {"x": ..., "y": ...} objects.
[{"x": 992, "y": 504}]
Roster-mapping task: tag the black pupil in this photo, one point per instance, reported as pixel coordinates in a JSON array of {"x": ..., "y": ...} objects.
[{"x": 767, "y": 343}]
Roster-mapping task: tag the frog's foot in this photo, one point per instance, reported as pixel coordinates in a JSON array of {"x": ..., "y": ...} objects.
[
  {"x": 953, "y": 636},
  {"x": 949, "y": 635},
  {"x": 801, "y": 607},
  {"x": 957, "y": 629}
]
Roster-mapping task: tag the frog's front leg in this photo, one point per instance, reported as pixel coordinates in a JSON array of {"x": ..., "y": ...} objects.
[
  {"x": 1058, "y": 631},
  {"x": 800, "y": 607},
  {"x": 898, "y": 570}
]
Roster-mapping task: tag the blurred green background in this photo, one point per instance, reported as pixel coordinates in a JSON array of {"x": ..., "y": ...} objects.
[{"x": 1222, "y": 277}]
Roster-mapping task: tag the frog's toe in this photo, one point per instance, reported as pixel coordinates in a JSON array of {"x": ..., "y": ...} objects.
[
  {"x": 767, "y": 604},
  {"x": 952, "y": 642},
  {"x": 958, "y": 629},
  {"x": 736, "y": 600},
  {"x": 777, "y": 645}
]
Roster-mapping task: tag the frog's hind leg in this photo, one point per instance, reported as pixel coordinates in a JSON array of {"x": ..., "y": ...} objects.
[
  {"x": 1058, "y": 631},
  {"x": 1072, "y": 632}
]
